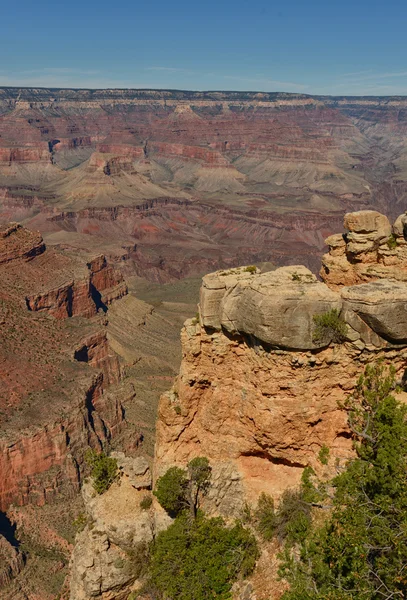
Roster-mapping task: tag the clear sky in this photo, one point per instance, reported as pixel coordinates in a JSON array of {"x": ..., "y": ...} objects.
[{"x": 316, "y": 46}]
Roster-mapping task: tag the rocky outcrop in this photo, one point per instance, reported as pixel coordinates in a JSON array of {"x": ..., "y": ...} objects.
[
  {"x": 11, "y": 562},
  {"x": 259, "y": 388},
  {"x": 95, "y": 351},
  {"x": 371, "y": 249},
  {"x": 69, "y": 300},
  {"x": 17, "y": 242},
  {"x": 110, "y": 554},
  {"x": 277, "y": 308},
  {"x": 106, "y": 280},
  {"x": 40, "y": 464},
  {"x": 84, "y": 297}
]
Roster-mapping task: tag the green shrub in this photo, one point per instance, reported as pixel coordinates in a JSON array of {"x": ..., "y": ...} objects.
[
  {"x": 251, "y": 269},
  {"x": 265, "y": 516},
  {"x": 146, "y": 502},
  {"x": 293, "y": 518},
  {"x": 392, "y": 242},
  {"x": 289, "y": 522},
  {"x": 200, "y": 559},
  {"x": 323, "y": 455},
  {"x": 295, "y": 276},
  {"x": 329, "y": 327},
  {"x": 359, "y": 552},
  {"x": 171, "y": 490},
  {"x": 180, "y": 489},
  {"x": 103, "y": 470}
]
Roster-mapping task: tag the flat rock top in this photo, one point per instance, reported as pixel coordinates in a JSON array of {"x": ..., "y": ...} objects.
[
  {"x": 376, "y": 292},
  {"x": 226, "y": 278},
  {"x": 366, "y": 221}
]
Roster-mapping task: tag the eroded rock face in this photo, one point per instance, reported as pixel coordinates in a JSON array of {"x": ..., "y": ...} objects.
[
  {"x": 17, "y": 242},
  {"x": 11, "y": 562},
  {"x": 214, "y": 288},
  {"x": 259, "y": 416},
  {"x": 83, "y": 296},
  {"x": 109, "y": 557},
  {"x": 278, "y": 308},
  {"x": 382, "y": 305},
  {"x": 371, "y": 250},
  {"x": 256, "y": 393}
]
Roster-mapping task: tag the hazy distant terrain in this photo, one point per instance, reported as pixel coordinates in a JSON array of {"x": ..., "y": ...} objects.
[{"x": 175, "y": 183}]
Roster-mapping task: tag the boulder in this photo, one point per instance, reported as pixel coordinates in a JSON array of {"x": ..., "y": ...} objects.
[
  {"x": 214, "y": 287},
  {"x": 135, "y": 470},
  {"x": 400, "y": 226},
  {"x": 278, "y": 308},
  {"x": 368, "y": 221},
  {"x": 382, "y": 305},
  {"x": 367, "y": 230}
]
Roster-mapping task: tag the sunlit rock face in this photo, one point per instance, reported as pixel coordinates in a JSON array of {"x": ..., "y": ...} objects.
[{"x": 257, "y": 393}]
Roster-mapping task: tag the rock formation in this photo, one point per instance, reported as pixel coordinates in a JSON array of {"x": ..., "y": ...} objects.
[
  {"x": 259, "y": 386},
  {"x": 55, "y": 372},
  {"x": 260, "y": 393},
  {"x": 110, "y": 553},
  {"x": 234, "y": 178},
  {"x": 371, "y": 249},
  {"x": 11, "y": 562}
]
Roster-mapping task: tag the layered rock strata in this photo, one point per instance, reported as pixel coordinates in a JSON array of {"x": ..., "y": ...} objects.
[
  {"x": 260, "y": 387},
  {"x": 55, "y": 371},
  {"x": 371, "y": 249}
]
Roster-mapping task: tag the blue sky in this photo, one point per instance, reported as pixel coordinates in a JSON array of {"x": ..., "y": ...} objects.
[{"x": 316, "y": 47}]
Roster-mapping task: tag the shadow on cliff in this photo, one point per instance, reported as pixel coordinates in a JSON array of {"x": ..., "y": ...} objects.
[{"x": 8, "y": 530}]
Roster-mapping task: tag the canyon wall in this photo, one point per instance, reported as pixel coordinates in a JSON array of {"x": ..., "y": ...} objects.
[
  {"x": 260, "y": 386},
  {"x": 234, "y": 177},
  {"x": 56, "y": 366}
]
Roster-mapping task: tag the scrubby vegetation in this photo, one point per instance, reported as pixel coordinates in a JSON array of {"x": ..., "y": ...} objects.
[
  {"x": 392, "y": 242},
  {"x": 103, "y": 470},
  {"x": 146, "y": 502},
  {"x": 180, "y": 489},
  {"x": 196, "y": 557},
  {"x": 329, "y": 327},
  {"x": 201, "y": 558},
  {"x": 251, "y": 269},
  {"x": 360, "y": 551}
]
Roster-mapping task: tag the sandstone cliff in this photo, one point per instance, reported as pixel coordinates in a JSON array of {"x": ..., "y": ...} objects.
[{"x": 258, "y": 391}]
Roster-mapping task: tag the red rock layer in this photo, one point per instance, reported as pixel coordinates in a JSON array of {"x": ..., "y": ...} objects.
[
  {"x": 17, "y": 242},
  {"x": 39, "y": 465}
]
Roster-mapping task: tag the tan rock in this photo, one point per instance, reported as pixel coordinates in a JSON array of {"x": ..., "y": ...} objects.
[
  {"x": 136, "y": 470},
  {"x": 382, "y": 305},
  {"x": 278, "y": 308},
  {"x": 214, "y": 287},
  {"x": 109, "y": 554},
  {"x": 368, "y": 221},
  {"x": 368, "y": 253},
  {"x": 400, "y": 226}
]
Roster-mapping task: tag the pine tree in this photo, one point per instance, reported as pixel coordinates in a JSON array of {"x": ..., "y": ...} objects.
[{"x": 360, "y": 553}]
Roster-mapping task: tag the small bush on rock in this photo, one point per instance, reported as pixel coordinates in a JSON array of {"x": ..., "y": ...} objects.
[
  {"x": 146, "y": 502},
  {"x": 103, "y": 470},
  {"x": 329, "y": 327},
  {"x": 179, "y": 489}
]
